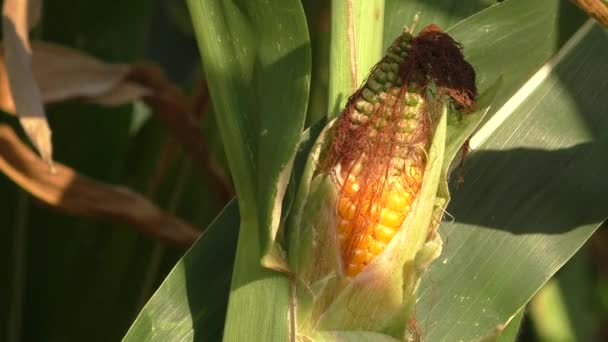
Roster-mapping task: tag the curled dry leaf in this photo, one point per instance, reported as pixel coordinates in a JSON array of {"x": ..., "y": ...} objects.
[
  {"x": 22, "y": 85},
  {"x": 63, "y": 73},
  {"x": 70, "y": 192}
]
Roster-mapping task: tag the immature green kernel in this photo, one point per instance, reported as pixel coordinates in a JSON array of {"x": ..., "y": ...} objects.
[
  {"x": 380, "y": 123},
  {"x": 391, "y": 76},
  {"x": 394, "y": 57},
  {"x": 411, "y": 99},
  {"x": 368, "y": 95},
  {"x": 374, "y": 85},
  {"x": 380, "y": 76},
  {"x": 411, "y": 113}
]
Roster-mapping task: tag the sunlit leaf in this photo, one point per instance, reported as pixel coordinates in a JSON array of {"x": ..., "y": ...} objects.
[{"x": 531, "y": 197}]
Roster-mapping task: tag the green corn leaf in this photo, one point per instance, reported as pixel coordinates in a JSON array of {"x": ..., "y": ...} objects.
[
  {"x": 514, "y": 216},
  {"x": 180, "y": 310},
  {"x": 256, "y": 57}
]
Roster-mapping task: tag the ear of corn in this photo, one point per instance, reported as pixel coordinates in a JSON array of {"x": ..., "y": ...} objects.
[
  {"x": 363, "y": 228},
  {"x": 378, "y": 297}
]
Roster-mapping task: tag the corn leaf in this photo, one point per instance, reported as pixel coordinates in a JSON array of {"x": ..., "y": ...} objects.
[
  {"x": 256, "y": 57},
  {"x": 505, "y": 40},
  {"x": 180, "y": 310},
  {"x": 532, "y": 196}
]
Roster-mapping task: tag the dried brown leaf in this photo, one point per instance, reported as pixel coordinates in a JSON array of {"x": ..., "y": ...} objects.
[
  {"x": 23, "y": 88},
  {"x": 68, "y": 191},
  {"x": 63, "y": 73},
  {"x": 123, "y": 92}
]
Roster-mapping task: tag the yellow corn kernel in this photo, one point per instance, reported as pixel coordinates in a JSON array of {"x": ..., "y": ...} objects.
[
  {"x": 365, "y": 241},
  {"x": 399, "y": 201},
  {"x": 354, "y": 269},
  {"x": 345, "y": 226},
  {"x": 361, "y": 256},
  {"x": 376, "y": 247},
  {"x": 391, "y": 218},
  {"x": 374, "y": 221},
  {"x": 351, "y": 187},
  {"x": 346, "y": 208},
  {"x": 385, "y": 234}
]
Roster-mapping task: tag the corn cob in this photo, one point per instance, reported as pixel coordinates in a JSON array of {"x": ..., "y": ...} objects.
[
  {"x": 381, "y": 139},
  {"x": 388, "y": 127}
]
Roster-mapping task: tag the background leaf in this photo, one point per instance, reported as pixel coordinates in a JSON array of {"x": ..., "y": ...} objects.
[{"x": 76, "y": 279}]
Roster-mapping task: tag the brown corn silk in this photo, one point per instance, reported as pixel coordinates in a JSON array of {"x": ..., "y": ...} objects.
[{"x": 381, "y": 139}]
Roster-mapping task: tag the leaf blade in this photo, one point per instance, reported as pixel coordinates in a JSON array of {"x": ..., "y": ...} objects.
[{"x": 524, "y": 226}]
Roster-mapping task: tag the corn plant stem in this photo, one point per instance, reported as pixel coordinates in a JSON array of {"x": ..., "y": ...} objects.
[
  {"x": 250, "y": 279},
  {"x": 15, "y": 318},
  {"x": 356, "y": 45}
]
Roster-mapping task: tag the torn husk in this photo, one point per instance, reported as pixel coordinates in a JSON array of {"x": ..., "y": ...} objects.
[{"x": 363, "y": 228}]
